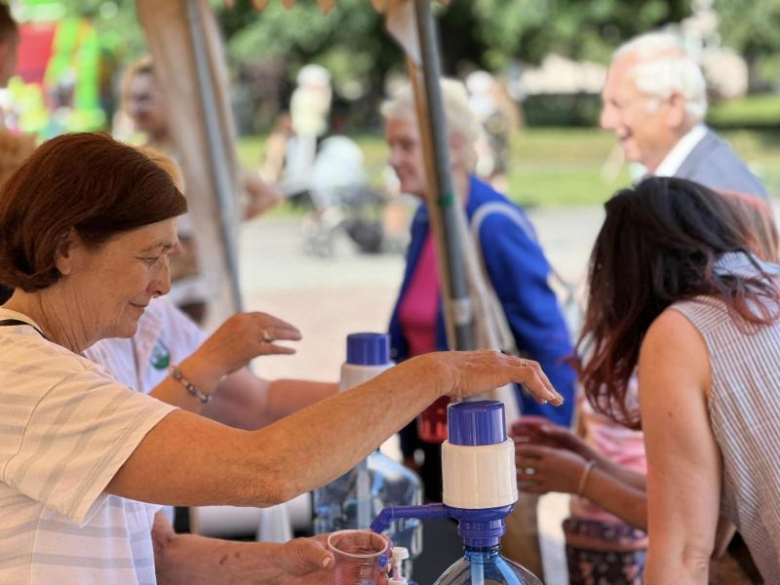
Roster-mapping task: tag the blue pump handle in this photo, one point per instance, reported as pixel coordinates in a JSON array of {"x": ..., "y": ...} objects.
[
  {"x": 478, "y": 528},
  {"x": 386, "y": 516}
]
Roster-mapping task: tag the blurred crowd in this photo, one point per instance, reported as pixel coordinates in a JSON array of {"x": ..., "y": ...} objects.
[{"x": 657, "y": 412}]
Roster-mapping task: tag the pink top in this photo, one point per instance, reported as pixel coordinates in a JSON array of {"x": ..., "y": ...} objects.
[
  {"x": 615, "y": 442},
  {"x": 419, "y": 308}
]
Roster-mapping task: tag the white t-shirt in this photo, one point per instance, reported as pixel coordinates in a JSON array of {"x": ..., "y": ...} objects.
[
  {"x": 165, "y": 336},
  {"x": 66, "y": 427}
]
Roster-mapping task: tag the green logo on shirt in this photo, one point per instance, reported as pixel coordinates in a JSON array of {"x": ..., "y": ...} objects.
[{"x": 161, "y": 357}]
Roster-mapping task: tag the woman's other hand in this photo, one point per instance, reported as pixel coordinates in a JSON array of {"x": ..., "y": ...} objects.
[
  {"x": 307, "y": 558},
  {"x": 536, "y": 430},
  {"x": 542, "y": 470},
  {"x": 241, "y": 338}
]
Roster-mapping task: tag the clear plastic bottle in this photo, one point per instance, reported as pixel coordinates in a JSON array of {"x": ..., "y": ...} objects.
[
  {"x": 355, "y": 498},
  {"x": 486, "y": 566}
]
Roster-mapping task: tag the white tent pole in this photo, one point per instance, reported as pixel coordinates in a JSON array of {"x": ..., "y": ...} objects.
[{"x": 222, "y": 183}]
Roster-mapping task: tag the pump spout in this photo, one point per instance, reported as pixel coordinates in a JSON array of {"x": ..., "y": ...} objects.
[{"x": 386, "y": 516}]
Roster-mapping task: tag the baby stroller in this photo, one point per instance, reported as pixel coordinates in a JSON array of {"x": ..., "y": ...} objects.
[{"x": 337, "y": 188}]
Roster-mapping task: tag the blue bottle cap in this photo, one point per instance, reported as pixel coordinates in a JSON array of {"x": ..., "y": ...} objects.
[
  {"x": 368, "y": 349},
  {"x": 481, "y": 422}
]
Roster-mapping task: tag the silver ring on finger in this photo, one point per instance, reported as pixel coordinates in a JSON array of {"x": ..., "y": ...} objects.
[{"x": 267, "y": 336}]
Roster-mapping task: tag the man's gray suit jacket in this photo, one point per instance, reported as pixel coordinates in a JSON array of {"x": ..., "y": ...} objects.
[{"x": 713, "y": 164}]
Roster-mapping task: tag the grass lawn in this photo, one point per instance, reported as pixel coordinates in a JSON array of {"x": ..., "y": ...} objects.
[
  {"x": 759, "y": 109},
  {"x": 566, "y": 166}
]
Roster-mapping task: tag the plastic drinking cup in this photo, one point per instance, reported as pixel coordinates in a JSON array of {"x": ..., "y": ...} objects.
[{"x": 360, "y": 557}]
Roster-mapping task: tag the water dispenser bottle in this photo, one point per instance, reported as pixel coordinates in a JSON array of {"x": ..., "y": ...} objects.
[
  {"x": 480, "y": 490},
  {"x": 355, "y": 498}
]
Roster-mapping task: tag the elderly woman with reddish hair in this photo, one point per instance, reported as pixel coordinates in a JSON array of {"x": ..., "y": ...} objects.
[{"x": 86, "y": 227}]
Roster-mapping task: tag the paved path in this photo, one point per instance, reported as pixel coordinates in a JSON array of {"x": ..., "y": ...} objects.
[{"x": 328, "y": 298}]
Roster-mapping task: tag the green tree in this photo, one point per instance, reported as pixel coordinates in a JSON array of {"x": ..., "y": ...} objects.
[
  {"x": 116, "y": 22},
  {"x": 755, "y": 34},
  {"x": 488, "y": 33},
  {"x": 349, "y": 41},
  {"x": 528, "y": 29}
]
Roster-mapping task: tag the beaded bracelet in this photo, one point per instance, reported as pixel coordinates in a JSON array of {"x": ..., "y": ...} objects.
[
  {"x": 189, "y": 386},
  {"x": 584, "y": 477}
]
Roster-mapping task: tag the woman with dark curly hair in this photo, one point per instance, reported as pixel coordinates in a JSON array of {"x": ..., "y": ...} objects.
[
  {"x": 605, "y": 469},
  {"x": 676, "y": 291}
]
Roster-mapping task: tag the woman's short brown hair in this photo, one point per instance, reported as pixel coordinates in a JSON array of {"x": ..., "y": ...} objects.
[{"x": 86, "y": 182}]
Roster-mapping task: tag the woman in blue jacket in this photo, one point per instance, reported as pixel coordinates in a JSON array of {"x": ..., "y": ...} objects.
[{"x": 514, "y": 260}]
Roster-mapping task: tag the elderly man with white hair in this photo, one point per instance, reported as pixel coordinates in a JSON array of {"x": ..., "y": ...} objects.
[{"x": 654, "y": 101}]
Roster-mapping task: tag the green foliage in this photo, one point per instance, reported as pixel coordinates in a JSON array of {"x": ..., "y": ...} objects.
[
  {"x": 530, "y": 29},
  {"x": 563, "y": 166},
  {"x": 751, "y": 111},
  {"x": 487, "y": 33},
  {"x": 752, "y": 29},
  {"x": 116, "y": 22},
  {"x": 349, "y": 41},
  {"x": 580, "y": 109}
]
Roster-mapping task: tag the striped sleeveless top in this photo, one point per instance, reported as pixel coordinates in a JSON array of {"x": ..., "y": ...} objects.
[{"x": 744, "y": 411}]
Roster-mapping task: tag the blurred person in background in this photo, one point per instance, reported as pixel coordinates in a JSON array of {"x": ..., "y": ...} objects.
[
  {"x": 9, "y": 45},
  {"x": 142, "y": 102},
  {"x": 309, "y": 119},
  {"x": 499, "y": 117},
  {"x": 515, "y": 267},
  {"x": 292, "y": 146},
  {"x": 654, "y": 101},
  {"x": 515, "y": 262},
  {"x": 14, "y": 148}
]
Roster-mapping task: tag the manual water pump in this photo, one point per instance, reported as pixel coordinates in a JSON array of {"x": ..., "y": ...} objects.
[{"x": 480, "y": 490}]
